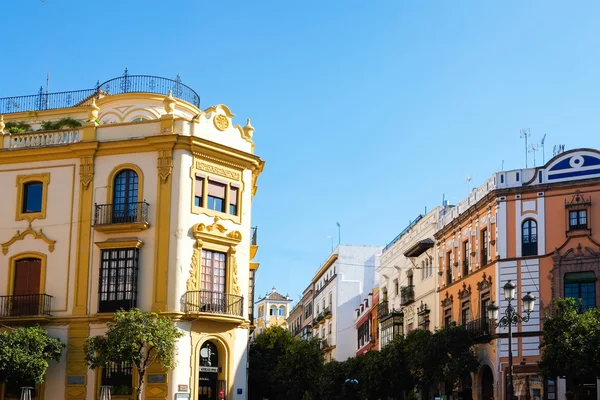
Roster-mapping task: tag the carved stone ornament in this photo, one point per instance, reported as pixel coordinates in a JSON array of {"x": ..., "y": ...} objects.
[
  {"x": 465, "y": 292},
  {"x": 3, "y": 125},
  {"x": 217, "y": 170},
  {"x": 235, "y": 286},
  {"x": 448, "y": 300},
  {"x": 214, "y": 233},
  {"x": 86, "y": 171},
  {"x": 192, "y": 282},
  {"x": 169, "y": 103},
  {"x": 221, "y": 122},
  {"x": 165, "y": 165},
  {"x": 486, "y": 282},
  {"x": 29, "y": 231},
  {"x": 93, "y": 111}
]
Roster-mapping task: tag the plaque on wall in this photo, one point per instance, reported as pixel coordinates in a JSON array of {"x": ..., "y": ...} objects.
[
  {"x": 157, "y": 378},
  {"x": 76, "y": 380}
]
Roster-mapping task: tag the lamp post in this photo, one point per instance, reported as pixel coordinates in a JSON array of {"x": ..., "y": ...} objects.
[
  {"x": 105, "y": 392},
  {"x": 26, "y": 393},
  {"x": 511, "y": 318}
]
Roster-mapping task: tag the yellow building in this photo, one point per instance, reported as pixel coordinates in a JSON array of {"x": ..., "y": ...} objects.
[
  {"x": 273, "y": 310},
  {"x": 148, "y": 205}
]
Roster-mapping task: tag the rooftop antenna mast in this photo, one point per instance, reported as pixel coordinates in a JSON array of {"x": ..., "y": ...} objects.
[
  {"x": 543, "y": 149},
  {"x": 469, "y": 183},
  {"x": 525, "y": 134},
  {"x": 534, "y": 149}
]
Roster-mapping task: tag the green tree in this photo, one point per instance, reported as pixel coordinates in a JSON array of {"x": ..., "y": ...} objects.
[
  {"x": 138, "y": 338},
  {"x": 25, "y": 353},
  {"x": 571, "y": 344},
  {"x": 445, "y": 356},
  {"x": 332, "y": 380},
  {"x": 298, "y": 370},
  {"x": 283, "y": 367},
  {"x": 395, "y": 370}
]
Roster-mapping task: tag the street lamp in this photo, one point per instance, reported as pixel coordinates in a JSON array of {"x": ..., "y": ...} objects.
[
  {"x": 26, "y": 393},
  {"x": 511, "y": 318},
  {"x": 105, "y": 392}
]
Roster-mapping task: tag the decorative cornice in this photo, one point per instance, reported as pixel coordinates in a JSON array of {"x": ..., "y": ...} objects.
[
  {"x": 486, "y": 282},
  {"x": 21, "y": 235},
  {"x": 213, "y": 169},
  {"x": 448, "y": 300},
  {"x": 465, "y": 292}
]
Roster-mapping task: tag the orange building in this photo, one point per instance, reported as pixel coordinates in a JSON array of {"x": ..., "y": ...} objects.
[
  {"x": 367, "y": 325},
  {"x": 536, "y": 228}
]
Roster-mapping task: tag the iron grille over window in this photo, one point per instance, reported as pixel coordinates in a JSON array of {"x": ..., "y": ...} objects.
[
  {"x": 119, "y": 376},
  {"x": 118, "y": 279}
]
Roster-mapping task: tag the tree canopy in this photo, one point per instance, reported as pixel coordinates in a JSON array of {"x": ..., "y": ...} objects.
[
  {"x": 284, "y": 367},
  {"x": 25, "y": 353},
  {"x": 138, "y": 338},
  {"x": 571, "y": 343}
]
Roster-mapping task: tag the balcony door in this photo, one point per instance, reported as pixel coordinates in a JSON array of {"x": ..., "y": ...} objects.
[
  {"x": 26, "y": 287},
  {"x": 125, "y": 197}
]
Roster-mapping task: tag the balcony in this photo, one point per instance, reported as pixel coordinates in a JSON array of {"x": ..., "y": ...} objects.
[
  {"x": 480, "y": 330},
  {"x": 407, "y": 294},
  {"x": 324, "y": 344},
  {"x": 27, "y": 305},
  {"x": 40, "y": 139},
  {"x": 321, "y": 318},
  {"x": 125, "y": 217},
  {"x": 81, "y": 98},
  {"x": 204, "y": 301},
  {"x": 328, "y": 313},
  {"x": 382, "y": 309}
]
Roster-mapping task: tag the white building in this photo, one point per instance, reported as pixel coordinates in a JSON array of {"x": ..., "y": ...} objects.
[
  {"x": 144, "y": 200},
  {"x": 408, "y": 279},
  {"x": 340, "y": 285}
]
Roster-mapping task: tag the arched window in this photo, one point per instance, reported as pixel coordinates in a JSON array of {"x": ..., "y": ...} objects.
[
  {"x": 273, "y": 311},
  {"x": 529, "y": 238},
  {"x": 282, "y": 311},
  {"x": 125, "y": 196}
]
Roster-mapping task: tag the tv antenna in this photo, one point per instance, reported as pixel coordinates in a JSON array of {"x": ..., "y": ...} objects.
[
  {"x": 533, "y": 150},
  {"x": 525, "y": 134}
]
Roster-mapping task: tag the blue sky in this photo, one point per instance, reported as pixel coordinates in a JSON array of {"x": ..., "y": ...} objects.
[{"x": 365, "y": 112}]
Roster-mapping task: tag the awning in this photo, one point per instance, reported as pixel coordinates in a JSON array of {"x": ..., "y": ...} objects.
[{"x": 419, "y": 248}]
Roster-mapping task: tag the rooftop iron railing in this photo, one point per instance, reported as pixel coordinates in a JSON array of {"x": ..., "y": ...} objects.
[{"x": 78, "y": 98}]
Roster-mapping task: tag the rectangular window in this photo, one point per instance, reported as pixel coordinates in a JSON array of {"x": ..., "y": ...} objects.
[
  {"x": 213, "y": 271},
  {"x": 330, "y": 299},
  {"x": 447, "y": 316},
  {"x": 448, "y": 269},
  {"x": 466, "y": 255},
  {"x": 581, "y": 286},
  {"x": 32, "y": 197},
  {"x": 484, "y": 247},
  {"x": 199, "y": 191},
  {"x": 118, "y": 279},
  {"x": 233, "y": 200},
  {"x": 465, "y": 316},
  {"x": 396, "y": 287},
  {"x": 120, "y": 377},
  {"x": 216, "y": 196},
  {"x": 578, "y": 219}
]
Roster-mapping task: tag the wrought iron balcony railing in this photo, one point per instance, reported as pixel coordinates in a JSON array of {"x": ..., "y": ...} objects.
[
  {"x": 382, "y": 309},
  {"x": 324, "y": 344},
  {"x": 480, "y": 329},
  {"x": 77, "y": 98},
  {"x": 407, "y": 294},
  {"x": 125, "y": 213},
  {"x": 204, "y": 301},
  {"x": 253, "y": 232},
  {"x": 327, "y": 312},
  {"x": 26, "y": 305}
]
